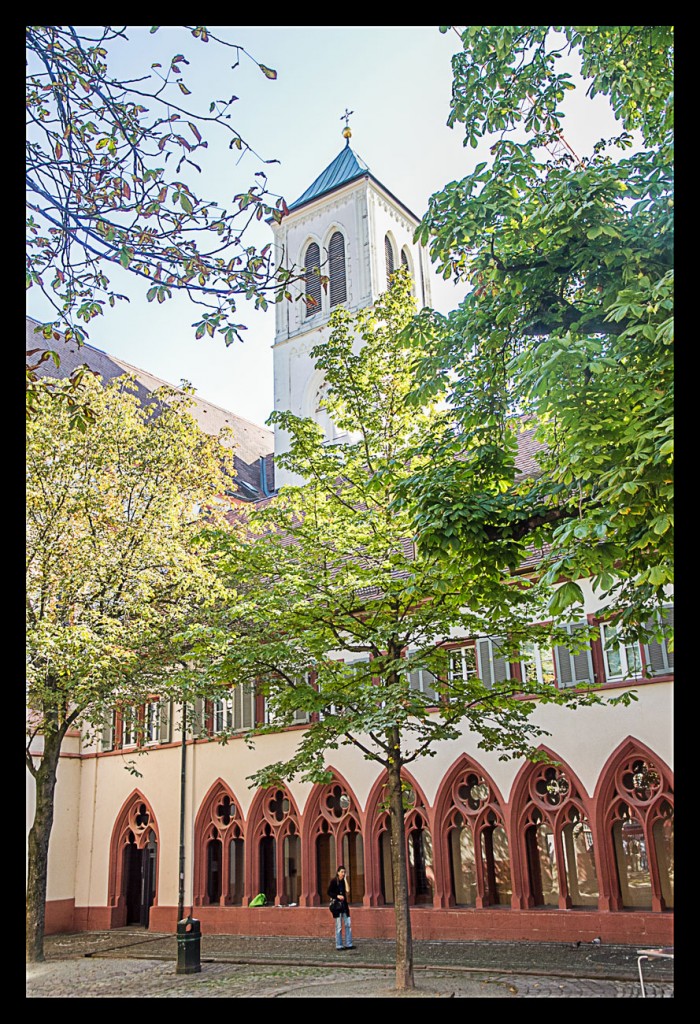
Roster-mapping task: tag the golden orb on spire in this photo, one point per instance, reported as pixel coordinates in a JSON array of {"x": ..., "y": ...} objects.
[{"x": 346, "y": 117}]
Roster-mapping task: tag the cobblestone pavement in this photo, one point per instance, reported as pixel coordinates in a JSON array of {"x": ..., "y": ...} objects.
[{"x": 132, "y": 963}]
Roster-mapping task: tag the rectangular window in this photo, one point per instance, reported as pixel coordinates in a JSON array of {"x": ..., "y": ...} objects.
[
  {"x": 622, "y": 661},
  {"x": 462, "y": 663},
  {"x": 129, "y": 724},
  {"x": 424, "y": 681},
  {"x": 299, "y": 717},
  {"x": 492, "y": 667},
  {"x": 108, "y": 730},
  {"x": 573, "y": 667},
  {"x": 658, "y": 657},
  {"x": 537, "y": 663},
  {"x": 221, "y": 714},
  {"x": 156, "y": 722}
]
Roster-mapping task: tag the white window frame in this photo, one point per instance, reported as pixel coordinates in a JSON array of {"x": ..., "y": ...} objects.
[
  {"x": 422, "y": 680},
  {"x": 535, "y": 660},
  {"x": 666, "y": 656},
  {"x": 574, "y": 661},
  {"x": 300, "y": 717},
  {"x": 151, "y": 722},
  {"x": 628, "y": 655},
  {"x": 129, "y": 730}
]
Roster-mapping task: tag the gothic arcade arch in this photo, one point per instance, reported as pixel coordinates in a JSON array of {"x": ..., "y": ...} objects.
[
  {"x": 472, "y": 858},
  {"x": 133, "y": 855},
  {"x": 552, "y": 837},
  {"x": 333, "y": 835},
  {"x": 219, "y": 849},
  {"x": 635, "y": 816},
  {"x": 419, "y": 845},
  {"x": 274, "y": 861}
]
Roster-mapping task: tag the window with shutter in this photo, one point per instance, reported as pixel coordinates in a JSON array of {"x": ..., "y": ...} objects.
[
  {"x": 492, "y": 666},
  {"x": 336, "y": 268},
  {"x": 389, "y": 258},
  {"x": 622, "y": 661},
  {"x": 243, "y": 706},
  {"x": 573, "y": 668},
  {"x": 537, "y": 663},
  {"x": 107, "y": 739},
  {"x": 312, "y": 264},
  {"x": 197, "y": 719},
  {"x": 422, "y": 680},
  {"x": 165, "y": 720},
  {"x": 657, "y": 656}
]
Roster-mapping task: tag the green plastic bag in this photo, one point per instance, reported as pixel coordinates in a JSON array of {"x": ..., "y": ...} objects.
[{"x": 258, "y": 901}]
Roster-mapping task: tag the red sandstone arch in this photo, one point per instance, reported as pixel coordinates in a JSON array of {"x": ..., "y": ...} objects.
[
  {"x": 135, "y": 818},
  {"x": 479, "y": 817},
  {"x": 613, "y": 792},
  {"x": 219, "y": 817},
  {"x": 321, "y": 816},
  {"x": 265, "y": 818},
  {"x": 377, "y": 822},
  {"x": 530, "y": 802}
]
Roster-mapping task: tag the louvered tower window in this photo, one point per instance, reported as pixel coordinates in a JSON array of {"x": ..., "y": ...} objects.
[
  {"x": 312, "y": 263},
  {"x": 404, "y": 258},
  {"x": 389, "y": 256},
  {"x": 336, "y": 268}
]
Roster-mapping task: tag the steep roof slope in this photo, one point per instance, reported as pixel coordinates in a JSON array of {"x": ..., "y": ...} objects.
[{"x": 253, "y": 445}]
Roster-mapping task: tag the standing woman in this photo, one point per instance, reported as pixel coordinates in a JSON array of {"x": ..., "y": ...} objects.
[{"x": 339, "y": 889}]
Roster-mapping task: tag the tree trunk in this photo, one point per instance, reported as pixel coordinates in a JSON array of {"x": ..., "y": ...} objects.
[
  {"x": 404, "y": 938},
  {"x": 38, "y": 846}
]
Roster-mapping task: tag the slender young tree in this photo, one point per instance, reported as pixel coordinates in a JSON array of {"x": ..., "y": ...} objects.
[
  {"x": 569, "y": 317},
  {"x": 330, "y": 575},
  {"x": 114, "y": 572}
]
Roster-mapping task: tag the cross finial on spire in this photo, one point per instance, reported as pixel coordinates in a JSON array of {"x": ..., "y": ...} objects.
[{"x": 346, "y": 130}]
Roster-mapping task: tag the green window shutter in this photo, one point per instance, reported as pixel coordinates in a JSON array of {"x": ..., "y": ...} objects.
[
  {"x": 573, "y": 668},
  {"x": 336, "y": 269}
]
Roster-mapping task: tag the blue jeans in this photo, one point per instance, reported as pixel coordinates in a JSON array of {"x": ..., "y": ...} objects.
[{"x": 343, "y": 919}]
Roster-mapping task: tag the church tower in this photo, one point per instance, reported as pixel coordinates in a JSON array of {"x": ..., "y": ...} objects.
[{"x": 357, "y": 232}]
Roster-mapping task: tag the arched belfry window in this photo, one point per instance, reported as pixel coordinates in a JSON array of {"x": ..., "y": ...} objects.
[
  {"x": 404, "y": 259},
  {"x": 312, "y": 264},
  {"x": 336, "y": 268},
  {"x": 389, "y": 257}
]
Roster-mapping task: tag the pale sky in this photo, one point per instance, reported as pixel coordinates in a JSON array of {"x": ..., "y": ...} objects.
[{"x": 396, "y": 80}]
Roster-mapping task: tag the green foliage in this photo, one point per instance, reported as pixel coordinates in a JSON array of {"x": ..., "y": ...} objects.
[
  {"x": 328, "y": 576},
  {"x": 100, "y": 191},
  {"x": 568, "y": 324},
  {"x": 114, "y": 564},
  {"x": 115, "y": 570}
]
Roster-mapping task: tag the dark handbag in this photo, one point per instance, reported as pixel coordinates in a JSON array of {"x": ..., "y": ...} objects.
[{"x": 335, "y": 907}]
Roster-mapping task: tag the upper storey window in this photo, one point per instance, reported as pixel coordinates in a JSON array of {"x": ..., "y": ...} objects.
[
  {"x": 312, "y": 264},
  {"x": 389, "y": 258},
  {"x": 336, "y": 269}
]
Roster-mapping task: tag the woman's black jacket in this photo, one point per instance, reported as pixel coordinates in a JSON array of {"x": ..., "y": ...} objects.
[{"x": 336, "y": 887}]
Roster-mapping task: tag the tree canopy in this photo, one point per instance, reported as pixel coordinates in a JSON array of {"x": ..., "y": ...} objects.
[
  {"x": 569, "y": 317},
  {"x": 102, "y": 197},
  {"x": 114, "y": 571},
  {"x": 339, "y": 617}
]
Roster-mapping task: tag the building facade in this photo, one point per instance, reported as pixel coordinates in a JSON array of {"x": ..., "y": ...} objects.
[{"x": 496, "y": 849}]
